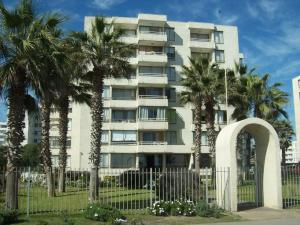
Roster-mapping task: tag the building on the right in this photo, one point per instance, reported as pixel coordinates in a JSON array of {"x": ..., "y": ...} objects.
[
  {"x": 291, "y": 154},
  {"x": 3, "y": 131},
  {"x": 296, "y": 94}
]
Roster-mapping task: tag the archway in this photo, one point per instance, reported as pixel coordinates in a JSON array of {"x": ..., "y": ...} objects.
[{"x": 267, "y": 159}]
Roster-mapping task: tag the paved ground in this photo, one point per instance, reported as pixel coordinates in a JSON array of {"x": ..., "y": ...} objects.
[{"x": 265, "y": 216}]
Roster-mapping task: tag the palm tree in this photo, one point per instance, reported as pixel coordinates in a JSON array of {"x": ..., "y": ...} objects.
[
  {"x": 108, "y": 57},
  {"x": 18, "y": 46},
  {"x": 71, "y": 87}
]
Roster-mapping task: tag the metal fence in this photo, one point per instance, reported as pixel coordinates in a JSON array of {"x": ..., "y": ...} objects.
[{"x": 136, "y": 190}]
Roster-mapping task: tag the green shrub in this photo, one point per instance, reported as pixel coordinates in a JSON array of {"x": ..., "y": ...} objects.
[
  {"x": 205, "y": 210},
  {"x": 8, "y": 217},
  {"x": 103, "y": 213},
  {"x": 173, "y": 208}
]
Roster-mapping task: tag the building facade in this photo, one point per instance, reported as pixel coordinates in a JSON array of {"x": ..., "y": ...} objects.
[
  {"x": 144, "y": 123},
  {"x": 32, "y": 128},
  {"x": 296, "y": 95},
  {"x": 3, "y": 130},
  {"x": 291, "y": 155}
]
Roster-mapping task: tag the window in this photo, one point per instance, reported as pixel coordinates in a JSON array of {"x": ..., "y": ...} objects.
[
  {"x": 123, "y": 136},
  {"x": 204, "y": 55},
  {"x": 105, "y": 115},
  {"x": 54, "y": 124},
  {"x": 171, "y": 94},
  {"x": 150, "y": 50},
  {"x": 151, "y": 70},
  {"x": 171, "y": 137},
  {"x": 150, "y": 92},
  {"x": 202, "y": 116},
  {"x": 171, "y": 72},
  {"x": 54, "y": 142},
  {"x": 204, "y": 140},
  {"x": 171, "y": 115},
  {"x": 221, "y": 117},
  {"x": 171, "y": 53},
  {"x": 106, "y": 92},
  {"x": 104, "y": 137},
  {"x": 151, "y": 136},
  {"x": 220, "y": 56},
  {"x": 70, "y": 110},
  {"x": 55, "y": 161},
  {"x": 152, "y": 113},
  {"x": 170, "y": 33},
  {"x": 200, "y": 37},
  {"x": 123, "y": 116},
  {"x": 129, "y": 33},
  {"x": 122, "y": 160},
  {"x": 177, "y": 160},
  {"x": 150, "y": 29},
  {"x": 104, "y": 160},
  {"x": 219, "y": 39},
  {"x": 123, "y": 94}
]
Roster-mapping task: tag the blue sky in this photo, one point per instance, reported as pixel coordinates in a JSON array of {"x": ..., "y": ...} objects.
[{"x": 269, "y": 30}]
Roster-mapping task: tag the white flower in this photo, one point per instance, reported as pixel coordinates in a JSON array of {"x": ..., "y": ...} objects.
[{"x": 95, "y": 215}]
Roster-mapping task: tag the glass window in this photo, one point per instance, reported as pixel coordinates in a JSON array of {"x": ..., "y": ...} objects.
[
  {"x": 220, "y": 57},
  {"x": 152, "y": 113},
  {"x": 170, "y": 33},
  {"x": 204, "y": 55},
  {"x": 171, "y": 114},
  {"x": 150, "y": 91},
  {"x": 54, "y": 124},
  {"x": 129, "y": 33},
  {"x": 123, "y": 94},
  {"x": 151, "y": 136},
  {"x": 104, "y": 160},
  {"x": 54, "y": 142},
  {"x": 202, "y": 116},
  {"x": 123, "y": 160},
  {"x": 151, "y": 70},
  {"x": 171, "y": 72},
  {"x": 123, "y": 116},
  {"x": 171, "y": 137},
  {"x": 204, "y": 140},
  {"x": 104, "y": 137},
  {"x": 123, "y": 136},
  {"x": 106, "y": 94},
  {"x": 150, "y": 29},
  {"x": 106, "y": 115},
  {"x": 171, "y": 53},
  {"x": 171, "y": 94},
  {"x": 177, "y": 160},
  {"x": 219, "y": 39},
  {"x": 200, "y": 37},
  {"x": 150, "y": 50},
  {"x": 221, "y": 117}
]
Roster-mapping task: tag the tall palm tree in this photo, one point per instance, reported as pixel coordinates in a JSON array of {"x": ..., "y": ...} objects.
[
  {"x": 71, "y": 87},
  {"x": 108, "y": 57},
  {"x": 18, "y": 47}
]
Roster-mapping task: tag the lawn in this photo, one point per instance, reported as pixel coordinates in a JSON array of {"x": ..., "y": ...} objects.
[{"x": 139, "y": 219}]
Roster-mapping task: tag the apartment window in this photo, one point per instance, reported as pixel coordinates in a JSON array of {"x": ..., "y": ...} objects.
[
  {"x": 151, "y": 70},
  {"x": 204, "y": 140},
  {"x": 148, "y": 92},
  {"x": 171, "y": 137},
  {"x": 104, "y": 160},
  {"x": 123, "y": 136},
  {"x": 104, "y": 137},
  {"x": 105, "y": 115},
  {"x": 170, "y": 33},
  {"x": 54, "y": 142},
  {"x": 123, "y": 115},
  {"x": 203, "y": 55},
  {"x": 54, "y": 124},
  {"x": 171, "y": 53},
  {"x": 106, "y": 92},
  {"x": 151, "y": 136},
  {"x": 150, "y": 50},
  {"x": 202, "y": 116},
  {"x": 123, "y": 94},
  {"x": 55, "y": 161},
  {"x": 200, "y": 37},
  {"x": 171, "y": 73},
  {"x": 35, "y": 141},
  {"x": 220, "y": 57},
  {"x": 152, "y": 113},
  {"x": 129, "y": 33},
  {"x": 221, "y": 117},
  {"x": 219, "y": 39},
  {"x": 177, "y": 160},
  {"x": 171, "y": 115},
  {"x": 122, "y": 160},
  {"x": 150, "y": 29},
  {"x": 171, "y": 94}
]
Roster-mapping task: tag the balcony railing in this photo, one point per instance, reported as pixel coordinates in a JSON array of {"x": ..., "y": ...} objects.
[
  {"x": 123, "y": 142},
  {"x": 153, "y": 143},
  {"x": 153, "y": 119},
  {"x": 123, "y": 120},
  {"x": 153, "y": 96}
]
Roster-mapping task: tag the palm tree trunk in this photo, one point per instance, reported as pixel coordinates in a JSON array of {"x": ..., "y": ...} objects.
[
  {"x": 63, "y": 130},
  {"x": 210, "y": 127},
  {"x": 197, "y": 137},
  {"x": 15, "y": 136},
  {"x": 96, "y": 113},
  {"x": 45, "y": 145}
]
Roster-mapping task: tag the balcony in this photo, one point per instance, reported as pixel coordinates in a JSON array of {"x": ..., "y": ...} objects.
[
  {"x": 153, "y": 78},
  {"x": 129, "y": 39},
  {"x": 153, "y": 124},
  {"x": 152, "y": 146},
  {"x": 153, "y": 100},
  {"x": 120, "y": 103},
  {"x": 152, "y": 37},
  {"x": 200, "y": 43},
  {"x": 152, "y": 58},
  {"x": 131, "y": 81},
  {"x": 152, "y": 19}
]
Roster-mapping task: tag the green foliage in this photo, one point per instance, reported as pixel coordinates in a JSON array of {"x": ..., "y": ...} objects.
[
  {"x": 3, "y": 150},
  {"x": 205, "y": 210},
  {"x": 103, "y": 213},
  {"x": 8, "y": 217},
  {"x": 173, "y": 208},
  {"x": 30, "y": 155}
]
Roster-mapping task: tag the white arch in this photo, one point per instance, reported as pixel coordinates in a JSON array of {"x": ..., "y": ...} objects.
[{"x": 267, "y": 158}]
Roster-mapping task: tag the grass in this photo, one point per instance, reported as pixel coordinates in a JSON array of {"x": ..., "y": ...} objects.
[{"x": 139, "y": 219}]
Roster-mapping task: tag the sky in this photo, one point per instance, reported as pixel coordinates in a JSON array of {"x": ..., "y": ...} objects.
[{"x": 269, "y": 30}]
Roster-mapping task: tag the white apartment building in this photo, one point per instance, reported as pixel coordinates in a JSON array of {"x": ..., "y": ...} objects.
[
  {"x": 296, "y": 94},
  {"x": 32, "y": 129},
  {"x": 291, "y": 154},
  {"x": 144, "y": 123},
  {"x": 3, "y": 135}
]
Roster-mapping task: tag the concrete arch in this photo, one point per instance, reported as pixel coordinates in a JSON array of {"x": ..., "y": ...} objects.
[{"x": 267, "y": 158}]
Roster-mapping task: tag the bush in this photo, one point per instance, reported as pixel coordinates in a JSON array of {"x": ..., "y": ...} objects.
[
  {"x": 205, "y": 210},
  {"x": 103, "y": 213},
  {"x": 173, "y": 208},
  {"x": 8, "y": 217}
]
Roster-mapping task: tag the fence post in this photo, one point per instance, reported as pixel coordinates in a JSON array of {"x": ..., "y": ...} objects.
[
  {"x": 28, "y": 192},
  {"x": 206, "y": 185},
  {"x": 150, "y": 187}
]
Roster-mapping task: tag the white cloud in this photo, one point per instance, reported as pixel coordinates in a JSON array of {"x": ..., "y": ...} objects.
[
  {"x": 224, "y": 18},
  {"x": 270, "y": 6},
  {"x": 106, "y": 4},
  {"x": 262, "y": 9},
  {"x": 252, "y": 10},
  {"x": 289, "y": 68}
]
